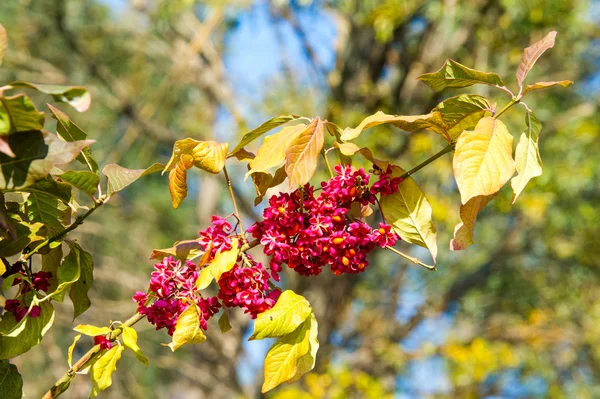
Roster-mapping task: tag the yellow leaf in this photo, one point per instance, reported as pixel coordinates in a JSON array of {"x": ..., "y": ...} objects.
[
  {"x": 288, "y": 313},
  {"x": 348, "y": 149},
  {"x": 188, "y": 329},
  {"x": 130, "y": 341},
  {"x": 210, "y": 156},
  {"x": 2, "y": 267},
  {"x": 180, "y": 148},
  {"x": 463, "y": 232},
  {"x": 272, "y": 152},
  {"x": 483, "y": 159},
  {"x": 531, "y": 55},
  {"x": 303, "y": 154},
  {"x": 224, "y": 322},
  {"x": 92, "y": 331},
  {"x": 527, "y": 156},
  {"x": 223, "y": 262},
  {"x": 71, "y": 349},
  {"x": 291, "y": 356},
  {"x": 413, "y": 123},
  {"x": 262, "y": 129},
  {"x": 545, "y": 85},
  {"x": 178, "y": 181},
  {"x": 409, "y": 213},
  {"x": 102, "y": 370}
]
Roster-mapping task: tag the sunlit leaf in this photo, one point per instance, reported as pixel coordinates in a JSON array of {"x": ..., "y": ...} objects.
[
  {"x": 92, "y": 331},
  {"x": 189, "y": 249},
  {"x": 43, "y": 208},
  {"x": 26, "y": 233},
  {"x": 101, "y": 373},
  {"x": 455, "y": 75},
  {"x": 545, "y": 85},
  {"x": 463, "y": 232},
  {"x": 4, "y": 146},
  {"x": 262, "y": 129},
  {"x": 409, "y": 213},
  {"x": 531, "y": 55},
  {"x": 120, "y": 177},
  {"x": 188, "y": 329},
  {"x": 178, "y": 181},
  {"x": 222, "y": 262},
  {"x": 130, "y": 341},
  {"x": 181, "y": 148},
  {"x": 69, "y": 131},
  {"x": 288, "y": 313},
  {"x": 272, "y": 153},
  {"x": 483, "y": 159},
  {"x": 71, "y": 349},
  {"x": 210, "y": 156},
  {"x": 3, "y": 43},
  {"x": 412, "y": 123},
  {"x": 291, "y": 355},
  {"x": 527, "y": 156},
  {"x": 349, "y": 149},
  {"x": 51, "y": 187},
  {"x": 76, "y": 96},
  {"x": 23, "y": 115},
  {"x": 224, "y": 322},
  {"x": 32, "y": 335},
  {"x": 303, "y": 154},
  {"x": 35, "y": 154},
  {"x": 83, "y": 180},
  {"x": 462, "y": 112},
  {"x": 11, "y": 382}
]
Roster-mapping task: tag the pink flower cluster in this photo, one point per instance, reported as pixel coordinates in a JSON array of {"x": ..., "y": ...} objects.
[
  {"x": 102, "y": 341},
  {"x": 247, "y": 288},
  {"x": 41, "y": 282},
  {"x": 216, "y": 237},
  {"x": 307, "y": 232},
  {"x": 174, "y": 286},
  {"x": 386, "y": 185},
  {"x": 15, "y": 307}
]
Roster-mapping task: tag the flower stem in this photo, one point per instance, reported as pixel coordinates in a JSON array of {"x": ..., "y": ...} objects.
[
  {"x": 410, "y": 258},
  {"x": 235, "y": 207},
  {"x": 327, "y": 163},
  {"x": 420, "y": 166}
]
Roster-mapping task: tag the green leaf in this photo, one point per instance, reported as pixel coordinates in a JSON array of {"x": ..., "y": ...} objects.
[
  {"x": 71, "y": 349},
  {"x": 224, "y": 322},
  {"x": 262, "y": 129},
  {"x": 26, "y": 233},
  {"x": 288, "y": 313},
  {"x": 92, "y": 331},
  {"x": 531, "y": 54},
  {"x": 291, "y": 355},
  {"x": 32, "y": 334},
  {"x": 188, "y": 329},
  {"x": 69, "y": 131},
  {"x": 68, "y": 272},
  {"x": 462, "y": 112},
  {"x": 527, "y": 156},
  {"x": 83, "y": 180},
  {"x": 80, "y": 288},
  {"x": 409, "y": 213},
  {"x": 545, "y": 85},
  {"x": 51, "y": 187},
  {"x": 50, "y": 211},
  {"x": 50, "y": 263},
  {"x": 413, "y": 123},
  {"x": 120, "y": 177},
  {"x": 272, "y": 152},
  {"x": 223, "y": 262},
  {"x": 22, "y": 114},
  {"x": 183, "y": 250},
  {"x": 101, "y": 373},
  {"x": 36, "y": 153},
  {"x": 3, "y": 43},
  {"x": 130, "y": 341},
  {"x": 11, "y": 382},
  {"x": 463, "y": 232},
  {"x": 302, "y": 155},
  {"x": 455, "y": 75},
  {"x": 76, "y": 96},
  {"x": 483, "y": 159}
]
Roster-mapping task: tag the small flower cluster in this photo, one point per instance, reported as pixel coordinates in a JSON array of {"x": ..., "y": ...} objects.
[
  {"x": 102, "y": 341},
  {"x": 216, "y": 237},
  {"x": 173, "y": 284},
  {"x": 307, "y": 232},
  {"x": 15, "y": 307},
  {"x": 41, "y": 282},
  {"x": 386, "y": 185},
  {"x": 247, "y": 288}
]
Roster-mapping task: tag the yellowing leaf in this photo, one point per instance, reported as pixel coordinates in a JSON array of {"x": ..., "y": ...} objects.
[
  {"x": 102, "y": 370},
  {"x": 178, "y": 180},
  {"x": 181, "y": 148},
  {"x": 348, "y": 149},
  {"x": 71, "y": 349},
  {"x": 130, "y": 337},
  {"x": 210, "y": 156},
  {"x": 455, "y": 75},
  {"x": 527, "y": 156},
  {"x": 531, "y": 55},
  {"x": 462, "y": 112},
  {"x": 291, "y": 356},
  {"x": 272, "y": 152},
  {"x": 92, "y": 331},
  {"x": 188, "y": 249},
  {"x": 224, "y": 322},
  {"x": 545, "y": 85},
  {"x": 483, "y": 159},
  {"x": 463, "y": 232},
  {"x": 264, "y": 181},
  {"x": 409, "y": 213},
  {"x": 413, "y": 123},
  {"x": 288, "y": 313},
  {"x": 120, "y": 177},
  {"x": 223, "y": 262},
  {"x": 188, "y": 329},
  {"x": 262, "y": 129},
  {"x": 303, "y": 154}
]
